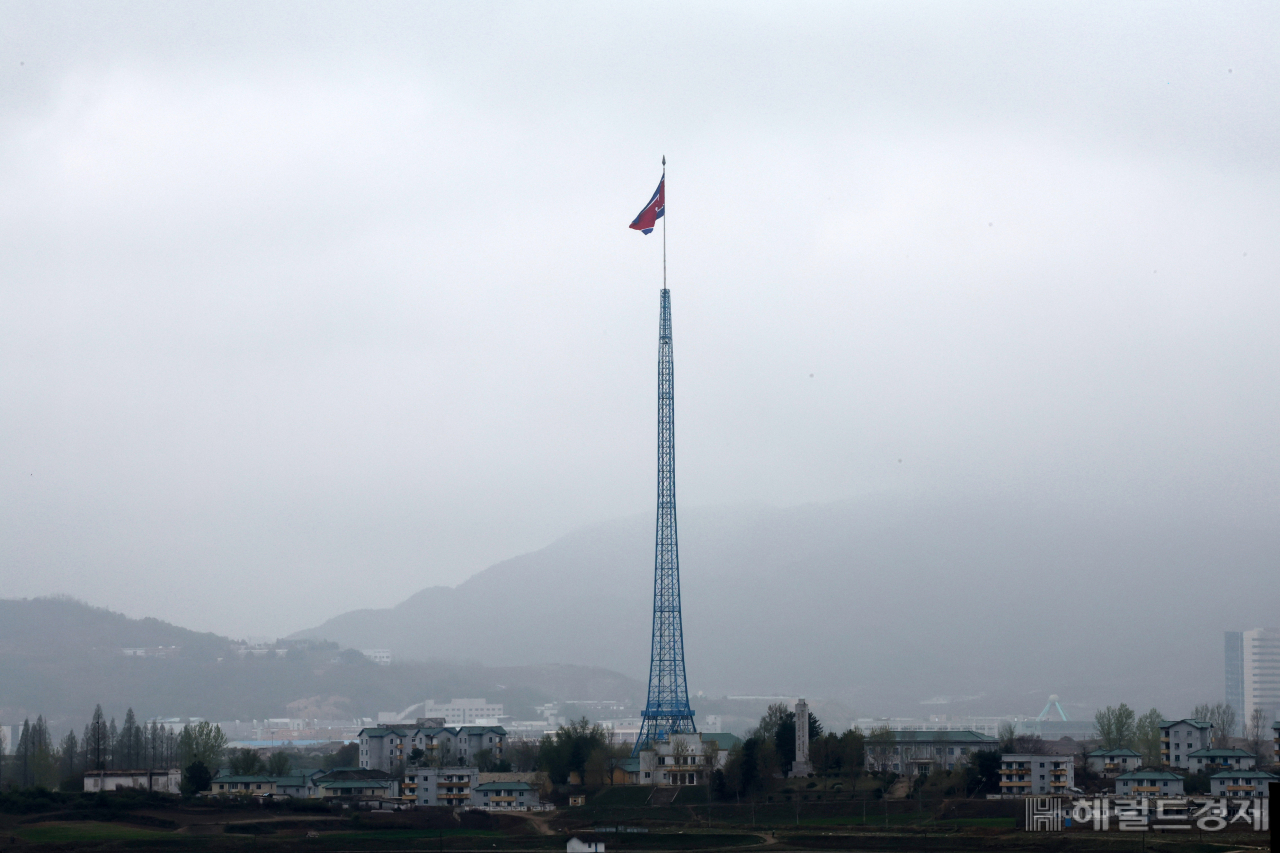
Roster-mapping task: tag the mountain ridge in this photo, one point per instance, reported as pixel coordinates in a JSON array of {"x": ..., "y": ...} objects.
[{"x": 842, "y": 599}]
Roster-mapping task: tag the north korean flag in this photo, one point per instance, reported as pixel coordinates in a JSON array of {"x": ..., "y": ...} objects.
[{"x": 654, "y": 210}]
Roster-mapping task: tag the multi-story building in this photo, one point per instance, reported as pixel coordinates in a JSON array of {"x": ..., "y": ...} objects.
[
  {"x": 684, "y": 759},
  {"x": 1216, "y": 760},
  {"x": 916, "y": 752},
  {"x": 1261, "y": 648},
  {"x": 391, "y": 748},
  {"x": 1146, "y": 783},
  {"x": 1113, "y": 762},
  {"x": 1275, "y": 740},
  {"x": 507, "y": 796},
  {"x": 442, "y": 786},
  {"x": 1240, "y": 783},
  {"x": 1180, "y": 738},
  {"x": 462, "y": 712},
  {"x": 1036, "y": 775},
  {"x": 1234, "y": 643},
  {"x": 1253, "y": 673}
]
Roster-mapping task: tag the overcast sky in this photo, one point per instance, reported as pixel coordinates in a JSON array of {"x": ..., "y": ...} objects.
[{"x": 307, "y": 306}]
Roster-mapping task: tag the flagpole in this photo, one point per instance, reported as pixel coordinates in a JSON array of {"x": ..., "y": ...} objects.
[{"x": 664, "y": 222}]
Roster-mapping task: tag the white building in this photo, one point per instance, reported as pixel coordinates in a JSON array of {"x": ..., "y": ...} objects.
[
  {"x": 389, "y": 748},
  {"x": 916, "y": 752},
  {"x": 442, "y": 786},
  {"x": 684, "y": 759},
  {"x": 382, "y": 657},
  {"x": 1148, "y": 783},
  {"x": 1261, "y": 673},
  {"x": 1112, "y": 762},
  {"x": 1180, "y": 738},
  {"x": 1216, "y": 760},
  {"x": 461, "y": 712},
  {"x": 164, "y": 781},
  {"x": 1240, "y": 783},
  {"x": 1036, "y": 775},
  {"x": 576, "y": 846}
]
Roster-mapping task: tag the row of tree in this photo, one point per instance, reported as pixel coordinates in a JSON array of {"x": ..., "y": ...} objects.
[
  {"x": 1121, "y": 728},
  {"x": 104, "y": 745}
]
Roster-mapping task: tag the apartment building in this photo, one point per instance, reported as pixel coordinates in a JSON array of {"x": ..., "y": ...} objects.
[
  {"x": 916, "y": 752},
  {"x": 1113, "y": 762},
  {"x": 1036, "y": 775},
  {"x": 1240, "y": 783},
  {"x": 1215, "y": 760},
  {"x": 390, "y": 748},
  {"x": 1148, "y": 783},
  {"x": 442, "y": 786},
  {"x": 1253, "y": 673},
  {"x": 1180, "y": 738}
]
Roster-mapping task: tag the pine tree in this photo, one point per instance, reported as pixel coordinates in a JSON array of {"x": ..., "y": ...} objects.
[
  {"x": 23, "y": 755},
  {"x": 129, "y": 746},
  {"x": 95, "y": 741},
  {"x": 44, "y": 763},
  {"x": 113, "y": 742},
  {"x": 69, "y": 753}
]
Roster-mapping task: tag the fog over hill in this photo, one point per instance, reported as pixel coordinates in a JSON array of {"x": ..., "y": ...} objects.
[
  {"x": 892, "y": 606},
  {"x": 60, "y": 657}
]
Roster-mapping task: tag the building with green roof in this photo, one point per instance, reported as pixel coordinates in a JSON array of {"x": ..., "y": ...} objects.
[
  {"x": 1146, "y": 783},
  {"x": 1215, "y": 760},
  {"x": 1180, "y": 738},
  {"x": 1112, "y": 762},
  {"x": 1240, "y": 783},
  {"x": 917, "y": 752}
]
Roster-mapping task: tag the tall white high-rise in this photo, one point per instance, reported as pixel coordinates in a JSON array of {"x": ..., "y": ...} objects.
[{"x": 1261, "y": 674}]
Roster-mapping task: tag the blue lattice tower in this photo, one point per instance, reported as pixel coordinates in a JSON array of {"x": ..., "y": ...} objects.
[{"x": 667, "y": 710}]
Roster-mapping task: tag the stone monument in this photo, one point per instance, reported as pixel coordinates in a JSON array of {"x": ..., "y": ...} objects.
[{"x": 801, "y": 766}]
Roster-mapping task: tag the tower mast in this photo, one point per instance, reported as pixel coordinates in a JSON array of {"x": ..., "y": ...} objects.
[{"x": 667, "y": 710}]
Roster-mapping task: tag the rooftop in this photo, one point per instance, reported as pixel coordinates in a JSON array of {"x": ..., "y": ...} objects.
[
  {"x": 1199, "y": 724},
  {"x": 964, "y": 736},
  {"x": 1138, "y": 775},
  {"x": 504, "y": 786}
]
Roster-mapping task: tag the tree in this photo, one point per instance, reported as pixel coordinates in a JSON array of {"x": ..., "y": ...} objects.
[
  {"x": 203, "y": 742},
  {"x": 1147, "y": 738},
  {"x": 345, "y": 756},
  {"x": 1005, "y": 733},
  {"x": 279, "y": 764},
  {"x": 1257, "y": 733},
  {"x": 113, "y": 741},
  {"x": 983, "y": 768},
  {"x": 195, "y": 778},
  {"x": 880, "y": 745},
  {"x": 22, "y": 755},
  {"x": 567, "y": 751},
  {"x": 96, "y": 741},
  {"x": 773, "y": 717},
  {"x": 710, "y": 757},
  {"x": 595, "y": 772},
  {"x": 69, "y": 753},
  {"x": 784, "y": 735},
  {"x": 1223, "y": 718},
  {"x": 524, "y": 755},
  {"x": 44, "y": 761},
  {"x": 129, "y": 747},
  {"x": 245, "y": 762},
  {"x": 1116, "y": 727}
]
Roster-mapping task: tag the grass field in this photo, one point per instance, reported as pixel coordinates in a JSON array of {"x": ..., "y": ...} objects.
[{"x": 85, "y": 832}]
